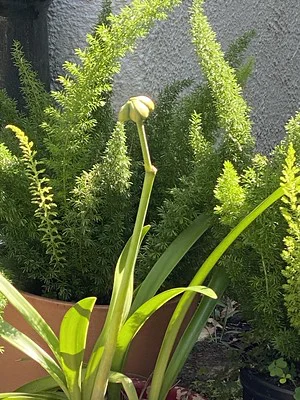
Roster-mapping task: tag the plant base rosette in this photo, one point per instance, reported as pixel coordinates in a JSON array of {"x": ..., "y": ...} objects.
[{"x": 15, "y": 373}]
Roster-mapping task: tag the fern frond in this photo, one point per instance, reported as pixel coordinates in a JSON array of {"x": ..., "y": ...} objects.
[
  {"x": 9, "y": 114},
  {"x": 33, "y": 90},
  {"x": 112, "y": 173},
  {"x": 198, "y": 143},
  {"x": 97, "y": 213},
  {"x": 42, "y": 196},
  {"x": 230, "y": 194},
  {"x": 236, "y": 50},
  {"x": 231, "y": 108},
  {"x": 291, "y": 253}
]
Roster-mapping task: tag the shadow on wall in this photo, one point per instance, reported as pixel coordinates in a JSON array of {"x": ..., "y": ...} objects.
[{"x": 25, "y": 21}]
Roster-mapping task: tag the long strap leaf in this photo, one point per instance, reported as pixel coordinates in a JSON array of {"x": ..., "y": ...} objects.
[
  {"x": 218, "y": 283},
  {"x": 142, "y": 314},
  {"x": 72, "y": 341},
  {"x": 32, "y": 350},
  {"x": 32, "y": 396},
  {"x": 137, "y": 320},
  {"x": 169, "y": 259},
  {"x": 39, "y": 385},
  {"x": 118, "y": 279},
  {"x": 29, "y": 313},
  {"x": 128, "y": 386},
  {"x": 118, "y": 284}
]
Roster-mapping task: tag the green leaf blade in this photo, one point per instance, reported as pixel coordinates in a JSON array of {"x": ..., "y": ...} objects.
[
  {"x": 128, "y": 386},
  {"x": 140, "y": 316},
  {"x": 44, "y": 384},
  {"x": 118, "y": 287},
  {"x": 30, "y": 314},
  {"x": 32, "y": 396},
  {"x": 32, "y": 350},
  {"x": 169, "y": 259},
  {"x": 72, "y": 342}
]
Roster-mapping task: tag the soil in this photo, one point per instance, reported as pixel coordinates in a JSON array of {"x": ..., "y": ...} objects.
[{"x": 212, "y": 368}]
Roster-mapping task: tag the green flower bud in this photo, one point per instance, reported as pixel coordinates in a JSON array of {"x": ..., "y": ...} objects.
[
  {"x": 124, "y": 112},
  {"x": 137, "y": 109}
]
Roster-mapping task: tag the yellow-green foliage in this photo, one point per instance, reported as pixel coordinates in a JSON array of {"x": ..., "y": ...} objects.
[
  {"x": 45, "y": 208},
  {"x": 85, "y": 85},
  {"x": 235, "y": 196},
  {"x": 64, "y": 200},
  {"x": 265, "y": 284},
  {"x": 291, "y": 253},
  {"x": 231, "y": 109}
]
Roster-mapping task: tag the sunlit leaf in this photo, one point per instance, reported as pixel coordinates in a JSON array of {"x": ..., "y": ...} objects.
[
  {"x": 30, "y": 314},
  {"x": 169, "y": 259},
  {"x": 126, "y": 382},
  {"x": 31, "y": 349},
  {"x": 72, "y": 342}
]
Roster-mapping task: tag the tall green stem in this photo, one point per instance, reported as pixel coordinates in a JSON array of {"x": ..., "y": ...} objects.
[{"x": 115, "y": 322}]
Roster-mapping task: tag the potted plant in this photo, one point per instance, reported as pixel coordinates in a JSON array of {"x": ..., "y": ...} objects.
[
  {"x": 94, "y": 187},
  {"x": 262, "y": 265},
  {"x": 89, "y": 229},
  {"x": 266, "y": 257},
  {"x": 125, "y": 316},
  {"x": 89, "y": 170}
]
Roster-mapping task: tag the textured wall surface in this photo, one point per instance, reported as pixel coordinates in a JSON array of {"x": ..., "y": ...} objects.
[{"x": 274, "y": 89}]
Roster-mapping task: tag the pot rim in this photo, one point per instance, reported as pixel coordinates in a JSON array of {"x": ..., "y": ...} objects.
[
  {"x": 257, "y": 378},
  {"x": 71, "y": 303},
  {"x": 43, "y": 299}
]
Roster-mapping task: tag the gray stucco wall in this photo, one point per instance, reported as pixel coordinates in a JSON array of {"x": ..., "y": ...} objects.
[{"x": 273, "y": 91}]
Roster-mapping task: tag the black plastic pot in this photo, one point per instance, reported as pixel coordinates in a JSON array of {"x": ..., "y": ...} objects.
[
  {"x": 25, "y": 21},
  {"x": 256, "y": 388}
]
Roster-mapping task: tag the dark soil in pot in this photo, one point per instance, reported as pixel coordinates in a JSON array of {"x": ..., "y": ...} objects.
[
  {"x": 213, "y": 367},
  {"x": 212, "y": 370}
]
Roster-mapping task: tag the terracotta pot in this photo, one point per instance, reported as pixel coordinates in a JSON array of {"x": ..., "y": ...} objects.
[
  {"x": 176, "y": 393},
  {"x": 16, "y": 370},
  {"x": 255, "y": 387}
]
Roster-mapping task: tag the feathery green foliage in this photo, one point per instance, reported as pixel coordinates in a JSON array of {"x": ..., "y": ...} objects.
[
  {"x": 91, "y": 173},
  {"x": 236, "y": 195},
  {"x": 34, "y": 93},
  {"x": 231, "y": 109},
  {"x": 200, "y": 142},
  {"x": 291, "y": 253},
  {"x": 262, "y": 281},
  {"x": 58, "y": 217},
  {"x": 85, "y": 84},
  {"x": 45, "y": 209}
]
